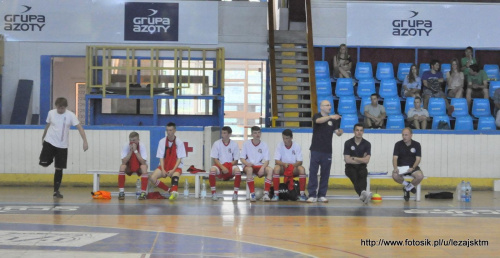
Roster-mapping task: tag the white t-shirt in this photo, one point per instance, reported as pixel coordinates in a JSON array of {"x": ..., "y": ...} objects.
[
  {"x": 288, "y": 155},
  {"x": 181, "y": 150},
  {"x": 225, "y": 153},
  {"x": 255, "y": 154},
  {"x": 142, "y": 150},
  {"x": 58, "y": 131}
]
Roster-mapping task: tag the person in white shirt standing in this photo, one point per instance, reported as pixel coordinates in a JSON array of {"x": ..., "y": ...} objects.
[{"x": 55, "y": 140}]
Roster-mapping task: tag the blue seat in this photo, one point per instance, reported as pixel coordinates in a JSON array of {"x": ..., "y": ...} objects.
[
  {"x": 321, "y": 69},
  {"x": 444, "y": 69},
  {"x": 347, "y": 105},
  {"x": 464, "y": 123},
  {"x": 344, "y": 87},
  {"x": 486, "y": 123},
  {"x": 392, "y": 106},
  {"x": 323, "y": 86},
  {"x": 494, "y": 85},
  {"x": 395, "y": 122},
  {"x": 348, "y": 121},
  {"x": 436, "y": 119},
  {"x": 410, "y": 103},
  {"x": 422, "y": 68},
  {"x": 363, "y": 70},
  {"x": 437, "y": 107},
  {"x": 403, "y": 70},
  {"x": 326, "y": 97},
  {"x": 461, "y": 108},
  {"x": 388, "y": 88},
  {"x": 481, "y": 107},
  {"x": 366, "y": 87},
  {"x": 492, "y": 71},
  {"x": 384, "y": 71},
  {"x": 364, "y": 101}
]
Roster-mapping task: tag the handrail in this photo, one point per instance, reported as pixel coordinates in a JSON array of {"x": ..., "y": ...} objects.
[
  {"x": 310, "y": 58},
  {"x": 272, "y": 61},
  {"x": 2, "y": 49}
]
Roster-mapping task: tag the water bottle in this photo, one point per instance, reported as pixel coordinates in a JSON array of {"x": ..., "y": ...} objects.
[
  {"x": 457, "y": 192},
  {"x": 468, "y": 192},
  {"x": 186, "y": 189},
  {"x": 462, "y": 191},
  {"x": 203, "y": 189},
  {"x": 137, "y": 188}
]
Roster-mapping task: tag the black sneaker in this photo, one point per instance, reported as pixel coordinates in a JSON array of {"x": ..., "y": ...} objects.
[
  {"x": 121, "y": 196},
  {"x": 413, "y": 190},
  {"x": 406, "y": 194},
  {"x": 57, "y": 195}
]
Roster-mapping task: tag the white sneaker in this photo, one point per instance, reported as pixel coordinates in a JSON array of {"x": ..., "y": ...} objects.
[
  {"x": 214, "y": 197},
  {"x": 362, "y": 196},
  {"x": 322, "y": 199},
  {"x": 252, "y": 197},
  {"x": 235, "y": 197},
  {"x": 312, "y": 199},
  {"x": 368, "y": 197},
  {"x": 266, "y": 198}
]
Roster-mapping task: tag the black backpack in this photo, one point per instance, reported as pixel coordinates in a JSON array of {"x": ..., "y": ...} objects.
[
  {"x": 442, "y": 125},
  {"x": 440, "y": 195},
  {"x": 285, "y": 194}
]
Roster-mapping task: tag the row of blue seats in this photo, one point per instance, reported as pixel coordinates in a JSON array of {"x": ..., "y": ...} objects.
[{"x": 385, "y": 70}]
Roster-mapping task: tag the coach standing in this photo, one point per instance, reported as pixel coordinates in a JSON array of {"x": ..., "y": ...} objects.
[{"x": 324, "y": 125}]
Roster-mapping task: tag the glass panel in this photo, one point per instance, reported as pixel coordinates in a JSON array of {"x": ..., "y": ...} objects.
[
  {"x": 234, "y": 94},
  {"x": 235, "y": 74}
]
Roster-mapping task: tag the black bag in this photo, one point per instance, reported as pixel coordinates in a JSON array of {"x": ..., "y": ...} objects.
[
  {"x": 285, "y": 194},
  {"x": 440, "y": 195},
  {"x": 443, "y": 125}
]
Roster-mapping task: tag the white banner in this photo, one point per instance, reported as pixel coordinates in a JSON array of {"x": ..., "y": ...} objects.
[
  {"x": 423, "y": 25},
  {"x": 101, "y": 21}
]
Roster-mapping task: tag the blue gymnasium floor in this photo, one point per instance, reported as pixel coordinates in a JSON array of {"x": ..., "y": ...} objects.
[{"x": 32, "y": 224}]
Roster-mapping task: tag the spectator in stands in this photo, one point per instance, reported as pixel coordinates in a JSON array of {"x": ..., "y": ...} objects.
[
  {"x": 455, "y": 80},
  {"x": 374, "y": 113},
  {"x": 496, "y": 100},
  {"x": 417, "y": 116},
  {"x": 342, "y": 63},
  {"x": 477, "y": 84},
  {"x": 432, "y": 81},
  {"x": 412, "y": 85},
  {"x": 407, "y": 155},
  {"x": 357, "y": 153},
  {"x": 468, "y": 60}
]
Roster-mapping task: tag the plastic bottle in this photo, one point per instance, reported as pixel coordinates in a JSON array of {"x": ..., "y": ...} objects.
[
  {"x": 468, "y": 192},
  {"x": 462, "y": 191},
  {"x": 138, "y": 188},
  {"x": 186, "y": 189},
  {"x": 203, "y": 189},
  {"x": 457, "y": 192}
]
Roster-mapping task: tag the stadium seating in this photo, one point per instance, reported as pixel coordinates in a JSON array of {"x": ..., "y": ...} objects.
[
  {"x": 464, "y": 123},
  {"x": 444, "y": 69},
  {"x": 323, "y": 87},
  {"x": 392, "y": 106},
  {"x": 409, "y": 103},
  {"x": 481, "y": 107},
  {"x": 422, "y": 68},
  {"x": 363, "y": 71},
  {"x": 403, "y": 70},
  {"x": 395, "y": 122},
  {"x": 344, "y": 87},
  {"x": 461, "y": 108},
  {"x": 388, "y": 88},
  {"x": 486, "y": 123},
  {"x": 384, "y": 71},
  {"x": 437, "y": 107},
  {"x": 326, "y": 97},
  {"x": 348, "y": 121},
  {"x": 492, "y": 71},
  {"x": 493, "y": 86},
  {"x": 436, "y": 119},
  {"x": 347, "y": 105},
  {"x": 322, "y": 70},
  {"x": 364, "y": 101},
  {"x": 366, "y": 87}
]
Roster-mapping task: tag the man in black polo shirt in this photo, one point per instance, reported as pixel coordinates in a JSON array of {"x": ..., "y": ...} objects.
[
  {"x": 357, "y": 153},
  {"x": 407, "y": 153},
  {"x": 324, "y": 125}
]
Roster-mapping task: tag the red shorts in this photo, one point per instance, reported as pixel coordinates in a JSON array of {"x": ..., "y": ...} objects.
[
  {"x": 225, "y": 177},
  {"x": 129, "y": 170},
  {"x": 178, "y": 170},
  {"x": 255, "y": 169}
]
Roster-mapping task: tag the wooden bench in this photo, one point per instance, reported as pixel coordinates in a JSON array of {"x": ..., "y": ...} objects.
[
  {"x": 97, "y": 174},
  {"x": 416, "y": 197}
]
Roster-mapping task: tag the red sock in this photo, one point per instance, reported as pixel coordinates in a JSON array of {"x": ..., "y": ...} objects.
[
  {"x": 121, "y": 179},
  {"x": 251, "y": 185},
  {"x": 144, "y": 182},
  {"x": 174, "y": 188},
  {"x": 211, "y": 180},
  {"x": 161, "y": 185},
  {"x": 237, "y": 182},
  {"x": 302, "y": 182},
  {"x": 267, "y": 186},
  {"x": 276, "y": 182}
]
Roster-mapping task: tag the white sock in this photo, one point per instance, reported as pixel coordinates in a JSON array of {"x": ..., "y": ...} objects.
[
  {"x": 409, "y": 187},
  {"x": 406, "y": 183}
]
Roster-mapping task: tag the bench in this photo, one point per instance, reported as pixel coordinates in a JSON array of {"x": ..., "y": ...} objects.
[
  {"x": 377, "y": 176},
  {"x": 97, "y": 174}
]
